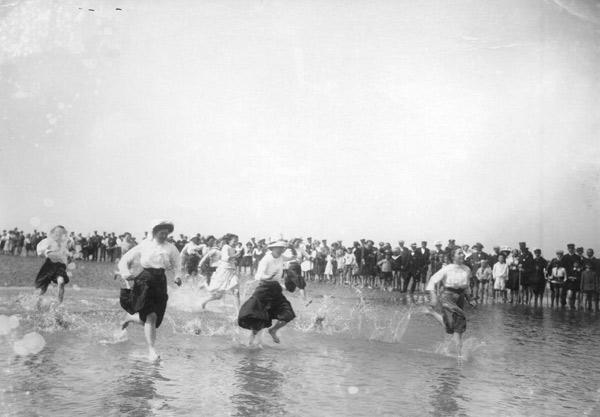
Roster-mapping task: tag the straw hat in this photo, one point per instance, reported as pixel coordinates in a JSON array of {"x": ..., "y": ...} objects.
[
  {"x": 278, "y": 244},
  {"x": 162, "y": 225}
]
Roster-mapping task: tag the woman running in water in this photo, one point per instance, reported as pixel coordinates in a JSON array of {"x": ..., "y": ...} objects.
[
  {"x": 226, "y": 278},
  {"x": 56, "y": 251},
  {"x": 146, "y": 302},
  {"x": 267, "y": 303},
  {"x": 455, "y": 278}
]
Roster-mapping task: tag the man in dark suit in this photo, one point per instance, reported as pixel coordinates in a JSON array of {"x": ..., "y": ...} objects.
[
  {"x": 405, "y": 260},
  {"x": 526, "y": 269},
  {"x": 425, "y": 255},
  {"x": 413, "y": 269},
  {"x": 436, "y": 258}
]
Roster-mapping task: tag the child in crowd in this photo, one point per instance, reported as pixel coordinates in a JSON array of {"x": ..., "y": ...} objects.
[
  {"x": 484, "y": 276},
  {"x": 500, "y": 276},
  {"x": 349, "y": 265},
  {"x": 329, "y": 268},
  {"x": 588, "y": 287},
  {"x": 557, "y": 281},
  {"x": 340, "y": 266},
  {"x": 385, "y": 266}
]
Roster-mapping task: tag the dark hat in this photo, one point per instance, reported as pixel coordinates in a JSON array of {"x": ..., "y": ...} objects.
[
  {"x": 537, "y": 251},
  {"x": 478, "y": 245},
  {"x": 571, "y": 245},
  {"x": 522, "y": 244},
  {"x": 424, "y": 241},
  {"x": 579, "y": 249}
]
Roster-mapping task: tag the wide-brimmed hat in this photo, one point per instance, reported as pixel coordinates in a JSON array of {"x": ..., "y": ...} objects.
[
  {"x": 438, "y": 243},
  {"x": 478, "y": 245},
  {"x": 162, "y": 225},
  {"x": 278, "y": 244}
]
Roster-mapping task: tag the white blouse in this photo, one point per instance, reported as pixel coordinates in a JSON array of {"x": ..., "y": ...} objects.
[
  {"x": 453, "y": 275},
  {"x": 60, "y": 251},
  {"x": 151, "y": 254},
  {"x": 269, "y": 268},
  {"x": 500, "y": 271},
  {"x": 228, "y": 255}
]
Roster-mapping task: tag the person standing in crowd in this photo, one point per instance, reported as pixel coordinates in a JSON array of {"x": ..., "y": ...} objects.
[
  {"x": 369, "y": 264},
  {"x": 436, "y": 257},
  {"x": 474, "y": 262},
  {"x": 385, "y": 266},
  {"x": 258, "y": 253},
  {"x": 413, "y": 270},
  {"x": 246, "y": 264},
  {"x": 146, "y": 300},
  {"x": 573, "y": 285},
  {"x": 493, "y": 257},
  {"x": 350, "y": 266},
  {"x": 267, "y": 303},
  {"x": 452, "y": 246},
  {"x": 558, "y": 276},
  {"x": 500, "y": 276},
  {"x": 526, "y": 270},
  {"x": 397, "y": 268},
  {"x": 455, "y": 279},
  {"x": 537, "y": 280},
  {"x": 425, "y": 258},
  {"x": 594, "y": 263},
  {"x": 588, "y": 287},
  {"x": 513, "y": 275},
  {"x": 225, "y": 278},
  {"x": 57, "y": 253},
  {"x": 405, "y": 263},
  {"x": 483, "y": 276},
  {"x": 340, "y": 264}
]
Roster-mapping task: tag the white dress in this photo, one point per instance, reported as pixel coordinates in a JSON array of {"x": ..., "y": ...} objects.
[
  {"x": 225, "y": 277},
  {"x": 329, "y": 265}
]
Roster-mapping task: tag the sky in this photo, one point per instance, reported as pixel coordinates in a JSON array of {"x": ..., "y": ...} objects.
[{"x": 343, "y": 120}]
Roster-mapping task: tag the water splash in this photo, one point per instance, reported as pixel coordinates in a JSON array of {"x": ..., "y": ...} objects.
[{"x": 31, "y": 344}]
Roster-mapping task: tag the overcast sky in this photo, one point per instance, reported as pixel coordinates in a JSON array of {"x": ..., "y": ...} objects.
[{"x": 339, "y": 119}]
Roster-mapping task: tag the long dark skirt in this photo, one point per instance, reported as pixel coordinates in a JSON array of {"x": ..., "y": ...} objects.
[
  {"x": 266, "y": 304},
  {"x": 148, "y": 295},
  {"x": 49, "y": 272},
  {"x": 453, "y": 303},
  {"x": 513, "y": 280},
  {"x": 293, "y": 278}
]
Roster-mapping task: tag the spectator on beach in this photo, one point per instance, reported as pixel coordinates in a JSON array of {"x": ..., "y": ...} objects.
[
  {"x": 538, "y": 277},
  {"x": 500, "y": 276},
  {"x": 589, "y": 288},
  {"x": 558, "y": 276}
]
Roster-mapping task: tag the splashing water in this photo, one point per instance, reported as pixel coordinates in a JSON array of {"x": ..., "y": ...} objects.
[
  {"x": 31, "y": 344},
  {"x": 8, "y": 324}
]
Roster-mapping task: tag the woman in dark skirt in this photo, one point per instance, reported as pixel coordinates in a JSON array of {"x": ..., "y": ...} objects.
[
  {"x": 513, "y": 282},
  {"x": 267, "y": 303},
  {"x": 293, "y": 277},
  {"x": 146, "y": 300},
  {"x": 455, "y": 278},
  {"x": 55, "y": 249}
]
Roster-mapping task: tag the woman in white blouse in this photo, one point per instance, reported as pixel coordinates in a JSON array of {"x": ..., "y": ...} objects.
[
  {"x": 226, "y": 278},
  {"x": 455, "y": 278},
  {"x": 56, "y": 251},
  {"x": 146, "y": 302}
]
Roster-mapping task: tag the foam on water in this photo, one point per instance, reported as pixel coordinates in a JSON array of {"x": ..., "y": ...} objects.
[
  {"x": 31, "y": 344},
  {"x": 8, "y": 324}
]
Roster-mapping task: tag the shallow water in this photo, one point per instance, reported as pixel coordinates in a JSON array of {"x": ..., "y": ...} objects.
[{"x": 370, "y": 358}]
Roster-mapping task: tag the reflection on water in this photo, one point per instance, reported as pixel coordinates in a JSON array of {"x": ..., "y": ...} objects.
[
  {"x": 257, "y": 386},
  {"x": 444, "y": 394},
  {"x": 369, "y": 358}
]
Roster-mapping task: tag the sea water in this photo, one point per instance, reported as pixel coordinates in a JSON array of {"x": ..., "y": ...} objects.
[{"x": 348, "y": 353}]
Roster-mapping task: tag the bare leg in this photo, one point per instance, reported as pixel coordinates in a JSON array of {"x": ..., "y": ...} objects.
[
  {"x": 253, "y": 335},
  {"x": 236, "y": 299},
  {"x": 213, "y": 296},
  {"x": 459, "y": 342},
  {"x": 61, "y": 289},
  {"x": 150, "y": 333},
  {"x": 273, "y": 330},
  {"x": 131, "y": 318},
  {"x": 436, "y": 315}
]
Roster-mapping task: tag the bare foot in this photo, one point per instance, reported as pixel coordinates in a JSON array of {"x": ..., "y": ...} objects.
[
  {"x": 153, "y": 356},
  {"x": 274, "y": 336}
]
